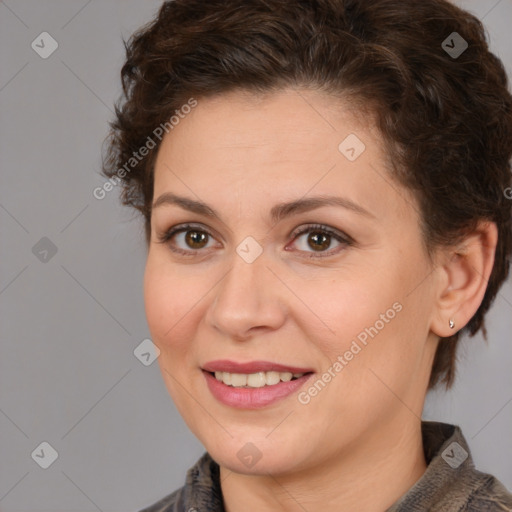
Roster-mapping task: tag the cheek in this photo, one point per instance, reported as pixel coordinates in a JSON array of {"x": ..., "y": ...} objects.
[
  {"x": 339, "y": 310},
  {"x": 168, "y": 303},
  {"x": 370, "y": 319}
]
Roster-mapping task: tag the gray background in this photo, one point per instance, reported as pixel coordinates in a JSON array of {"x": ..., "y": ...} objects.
[{"x": 69, "y": 325}]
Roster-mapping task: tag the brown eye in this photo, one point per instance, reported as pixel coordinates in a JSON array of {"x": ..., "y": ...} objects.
[
  {"x": 196, "y": 239},
  {"x": 186, "y": 239},
  {"x": 318, "y": 241}
]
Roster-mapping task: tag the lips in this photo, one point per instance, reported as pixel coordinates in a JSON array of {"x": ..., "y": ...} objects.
[
  {"x": 250, "y": 397},
  {"x": 225, "y": 365},
  {"x": 253, "y": 398}
]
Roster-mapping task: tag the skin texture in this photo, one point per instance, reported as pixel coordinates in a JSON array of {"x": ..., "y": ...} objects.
[{"x": 358, "y": 441}]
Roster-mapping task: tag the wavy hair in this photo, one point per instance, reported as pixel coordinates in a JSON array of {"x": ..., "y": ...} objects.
[{"x": 446, "y": 119}]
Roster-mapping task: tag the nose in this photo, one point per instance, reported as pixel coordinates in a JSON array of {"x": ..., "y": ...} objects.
[{"x": 248, "y": 300}]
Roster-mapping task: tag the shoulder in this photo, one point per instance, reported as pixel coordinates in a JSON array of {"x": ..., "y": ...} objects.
[
  {"x": 451, "y": 483},
  {"x": 462, "y": 487},
  {"x": 490, "y": 496},
  {"x": 167, "y": 504},
  {"x": 201, "y": 491}
]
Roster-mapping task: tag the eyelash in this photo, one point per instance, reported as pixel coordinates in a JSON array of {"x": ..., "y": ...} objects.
[{"x": 343, "y": 238}]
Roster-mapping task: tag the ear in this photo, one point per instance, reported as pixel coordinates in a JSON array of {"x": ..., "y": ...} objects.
[{"x": 464, "y": 271}]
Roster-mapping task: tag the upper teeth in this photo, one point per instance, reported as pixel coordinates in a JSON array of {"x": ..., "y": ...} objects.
[{"x": 255, "y": 380}]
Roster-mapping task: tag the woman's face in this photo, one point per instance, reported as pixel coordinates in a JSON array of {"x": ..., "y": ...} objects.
[{"x": 349, "y": 303}]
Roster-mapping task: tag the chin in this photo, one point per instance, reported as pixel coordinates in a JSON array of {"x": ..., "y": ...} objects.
[{"x": 257, "y": 457}]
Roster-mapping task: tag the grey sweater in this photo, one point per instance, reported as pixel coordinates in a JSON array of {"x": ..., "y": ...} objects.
[{"x": 450, "y": 484}]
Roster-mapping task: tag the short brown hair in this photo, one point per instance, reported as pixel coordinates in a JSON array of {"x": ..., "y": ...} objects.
[{"x": 447, "y": 118}]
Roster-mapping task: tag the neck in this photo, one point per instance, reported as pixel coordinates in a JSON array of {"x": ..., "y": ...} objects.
[{"x": 369, "y": 477}]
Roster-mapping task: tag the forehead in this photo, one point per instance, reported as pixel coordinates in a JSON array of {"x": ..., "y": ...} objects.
[
  {"x": 287, "y": 143},
  {"x": 242, "y": 120}
]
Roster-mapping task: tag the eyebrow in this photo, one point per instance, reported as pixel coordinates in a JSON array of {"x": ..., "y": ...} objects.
[{"x": 277, "y": 213}]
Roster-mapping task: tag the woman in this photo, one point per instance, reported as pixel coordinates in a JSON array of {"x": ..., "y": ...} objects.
[{"x": 324, "y": 188}]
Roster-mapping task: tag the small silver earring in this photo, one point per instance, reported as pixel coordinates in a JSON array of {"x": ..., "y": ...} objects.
[{"x": 451, "y": 324}]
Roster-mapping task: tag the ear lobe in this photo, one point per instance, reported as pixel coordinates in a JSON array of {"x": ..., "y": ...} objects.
[{"x": 465, "y": 273}]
